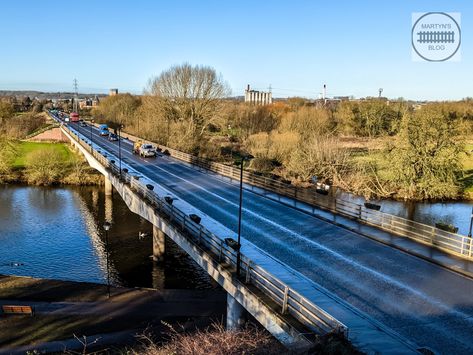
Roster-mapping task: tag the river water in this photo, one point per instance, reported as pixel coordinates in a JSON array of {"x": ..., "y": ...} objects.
[
  {"x": 57, "y": 233},
  {"x": 457, "y": 213}
]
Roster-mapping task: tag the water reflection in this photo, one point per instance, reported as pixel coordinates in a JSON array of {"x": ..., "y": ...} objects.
[{"x": 57, "y": 233}]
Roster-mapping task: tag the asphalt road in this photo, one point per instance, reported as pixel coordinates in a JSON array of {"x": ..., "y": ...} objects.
[{"x": 429, "y": 305}]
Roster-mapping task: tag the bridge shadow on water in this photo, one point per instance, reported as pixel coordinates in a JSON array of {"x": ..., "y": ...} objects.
[{"x": 130, "y": 246}]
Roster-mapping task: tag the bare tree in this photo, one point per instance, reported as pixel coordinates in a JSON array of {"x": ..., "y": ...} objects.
[{"x": 191, "y": 94}]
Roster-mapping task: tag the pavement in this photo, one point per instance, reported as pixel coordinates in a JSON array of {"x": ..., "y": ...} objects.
[{"x": 419, "y": 299}]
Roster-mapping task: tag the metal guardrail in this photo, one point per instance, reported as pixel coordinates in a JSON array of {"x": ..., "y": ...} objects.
[
  {"x": 290, "y": 301},
  {"x": 451, "y": 243}
]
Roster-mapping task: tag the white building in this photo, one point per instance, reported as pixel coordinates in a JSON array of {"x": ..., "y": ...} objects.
[{"x": 258, "y": 97}]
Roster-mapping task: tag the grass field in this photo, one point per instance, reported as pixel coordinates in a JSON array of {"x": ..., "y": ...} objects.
[{"x": 24, "y": 148}]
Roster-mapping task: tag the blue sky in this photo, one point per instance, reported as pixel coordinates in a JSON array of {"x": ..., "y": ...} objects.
[{"x": 355, "y": 47}]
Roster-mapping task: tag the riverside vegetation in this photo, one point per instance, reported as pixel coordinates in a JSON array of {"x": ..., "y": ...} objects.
[
  {"x": 37, "y": 163},
  {"x": 372, "y": 147}
]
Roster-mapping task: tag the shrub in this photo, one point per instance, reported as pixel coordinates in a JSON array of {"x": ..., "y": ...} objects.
[
  {"x": 7, "y": 154},
  {"x": 44, "y": 166},
  {"x": 320, "y": 156},
  {"x": 425, "y": 161},
  {"x": 214, "y": 340}
]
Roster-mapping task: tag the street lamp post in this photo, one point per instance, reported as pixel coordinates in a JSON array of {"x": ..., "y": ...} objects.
[
  {"x": 471, "y": 223},
  {"x": 107, "y": 226},
  {"x": 120, "y": 151},
  {"x": 238, "y": 261},
  {"x": 91, "y": 140}
]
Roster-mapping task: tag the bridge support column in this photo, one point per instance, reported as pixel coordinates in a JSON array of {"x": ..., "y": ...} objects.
[
  {"x": 236, "y": 314},
  {"x": 108, "y": 187},
  {"x": 158, "y": 244}
]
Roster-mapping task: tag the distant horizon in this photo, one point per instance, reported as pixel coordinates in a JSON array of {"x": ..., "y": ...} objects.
[
  {"x": 106, "y": 92},
  {"x": 295, "y": 47}
]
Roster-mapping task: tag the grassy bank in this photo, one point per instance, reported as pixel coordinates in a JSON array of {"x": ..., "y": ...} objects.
[
  {"x": 23, "y": 149},
  {"x": 40, "y": 163}
]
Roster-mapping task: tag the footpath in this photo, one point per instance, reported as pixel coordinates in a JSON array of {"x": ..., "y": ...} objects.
[{"x": 65, "y": 312}]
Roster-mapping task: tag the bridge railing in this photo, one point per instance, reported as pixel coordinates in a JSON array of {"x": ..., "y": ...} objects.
[
  {"x": 290, "y": 301},
  {"x": 451, "y": 243}
]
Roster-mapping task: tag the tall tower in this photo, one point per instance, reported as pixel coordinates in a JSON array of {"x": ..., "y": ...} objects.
[
  {"x": 75, "y": 100},
  {"x": 380, "y": 92}
]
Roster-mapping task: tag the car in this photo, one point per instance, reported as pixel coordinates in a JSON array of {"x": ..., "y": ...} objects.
[
  {"x": 112, "y": 137},
  {"x": 147, "y": 150},
  {"x": 104, "y": 132},
  {"x": 82, "y": 124}
]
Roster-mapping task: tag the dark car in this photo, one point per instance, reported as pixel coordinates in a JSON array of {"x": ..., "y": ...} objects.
[
  {"x": 82, "y": 124},
  {"x": 112, "y": 137}
]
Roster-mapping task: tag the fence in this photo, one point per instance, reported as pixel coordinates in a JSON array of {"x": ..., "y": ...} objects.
[
  {"x": 288, "y": 300},
  {"x": 451, "y": 243}
]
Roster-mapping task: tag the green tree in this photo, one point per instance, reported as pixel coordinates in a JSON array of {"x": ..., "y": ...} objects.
[
  {"x": 369, "y": 118},
  {"x": 425, "y": 161},
  {"x": 118, "y": 109}
]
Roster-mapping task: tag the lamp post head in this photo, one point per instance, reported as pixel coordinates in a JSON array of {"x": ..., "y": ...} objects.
[{"x": 106, "y": 225}]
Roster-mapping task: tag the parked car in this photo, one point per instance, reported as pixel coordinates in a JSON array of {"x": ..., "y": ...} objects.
[{"x": 112, "y": 137}]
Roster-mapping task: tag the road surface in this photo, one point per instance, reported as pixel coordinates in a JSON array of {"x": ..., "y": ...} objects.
[{"x": 427, "y": 304}]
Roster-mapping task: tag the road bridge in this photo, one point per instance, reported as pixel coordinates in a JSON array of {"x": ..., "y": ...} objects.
[{"x": 384, "y": 299}]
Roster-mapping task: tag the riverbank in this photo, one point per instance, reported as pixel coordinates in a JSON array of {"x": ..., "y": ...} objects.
[
  {"x": 46, "y": 163},
  {"x": 65, "y": 309}
]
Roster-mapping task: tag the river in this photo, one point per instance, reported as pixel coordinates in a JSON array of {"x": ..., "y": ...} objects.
[
  {"x": 457, "y": 213},
  {"x": 56, "y": 232}
]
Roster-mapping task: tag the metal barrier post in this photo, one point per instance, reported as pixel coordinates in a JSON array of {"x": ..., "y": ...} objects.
[
  {"x": 248, "y": 272},
  {"x": 285, "y": 299}
]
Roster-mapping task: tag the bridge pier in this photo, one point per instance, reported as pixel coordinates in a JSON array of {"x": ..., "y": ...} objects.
[
  {"x": 157, "y": 277},
  {"x": 237, "y": 315},
  {"x": 108, "y": 187},
  {"x": 159, "y": 239}
]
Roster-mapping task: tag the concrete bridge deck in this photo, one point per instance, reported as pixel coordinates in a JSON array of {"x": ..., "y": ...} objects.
[{"x": 412, "y": 296}]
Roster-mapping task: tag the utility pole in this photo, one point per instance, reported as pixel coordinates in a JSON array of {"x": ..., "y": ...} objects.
[{"x": 76, "y": 96}]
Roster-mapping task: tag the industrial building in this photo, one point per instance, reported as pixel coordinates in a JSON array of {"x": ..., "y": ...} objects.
[{"x": 258, "y": 97}]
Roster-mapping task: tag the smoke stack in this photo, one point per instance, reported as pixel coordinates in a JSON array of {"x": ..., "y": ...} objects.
[{"x": 324, "y": 95}]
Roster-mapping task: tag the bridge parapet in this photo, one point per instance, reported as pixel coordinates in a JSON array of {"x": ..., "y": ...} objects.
[
  {"x": 291, "y": 317},
  {"x": 451, "y": 243}
]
